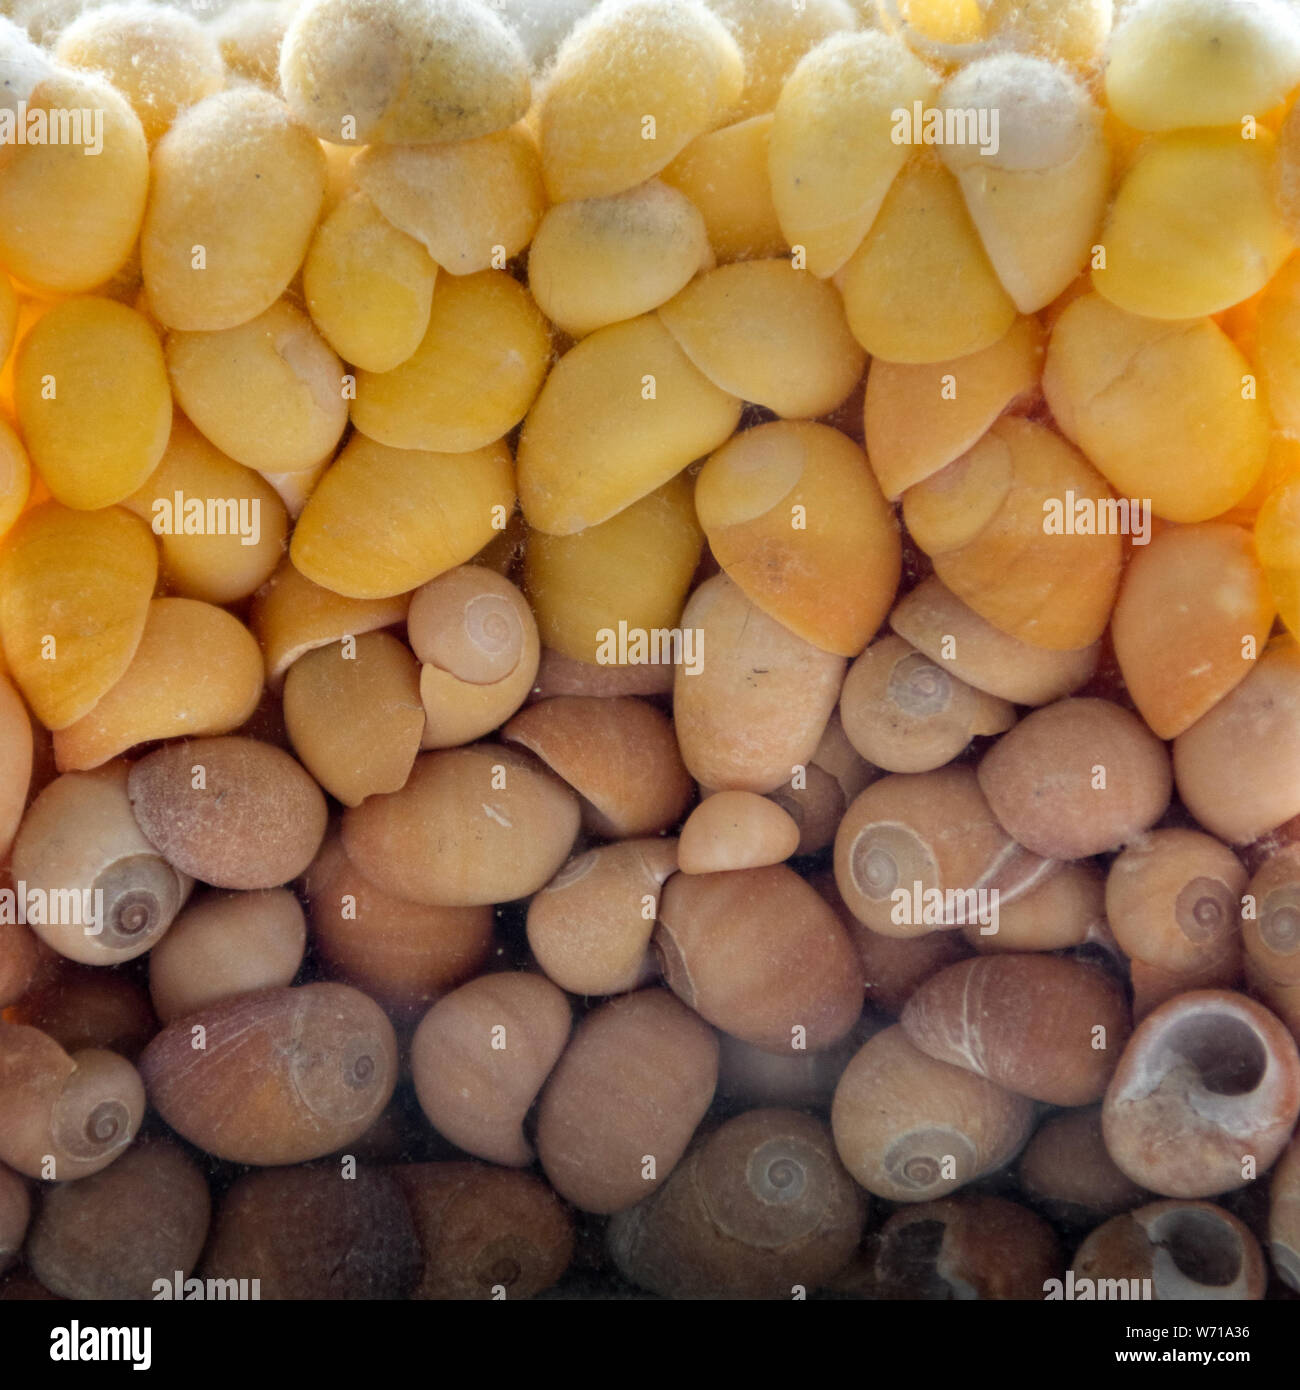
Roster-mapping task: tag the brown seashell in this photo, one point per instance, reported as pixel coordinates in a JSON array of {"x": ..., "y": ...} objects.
[
  {"x": 1039, "y": 1025},
  {"x": 19, "y": 952},
  {"x": 486, "y": 1233},
  {"x": 1188, "y": 1250},
  {"x": 1077, "y": 778},
  {"x": 484, "y": 824},
  {"x": 1208, "y": 1080},
  {"x": 312, "y": 1233},
  {"x": 401, "y": 953},
  {"x": 937, "y": 623},
  {"x": 277, "y": 1076},
  {"x": 558, "y": 674},
  {"x": 906, "y": 713},
  {"x": 353, "y": 714},
  {"x": 619, "y": 755},
  {"x": 761, "y": 1208},
  {"x": 736, "y": 830},
  {"x": 760, "y": 699},
  {"x": 224, "y": 944},
  {"x": 966, "y": 1247},
  {"x": 912, "y": 835},
  {"x": 111, "y": 1235},
  {"x": 481, "y": 1055},
  {"x": 759, "y": 954},
  {"x": 15, "y": 1213},
  {"x": 816, "y": 807},
  {"x": 230, "y": 811},
  {"x": 63, "y": 1116},
  {"x": 624, "y": 1099},
  {"x": 79, "y": 839},
  {"x": 747, "y": 1075},
  {"x": 590, "y": 927},
  {"x": 911, "y": 1129},
  {"x": 1066, "y": 1170},
  {"x": 1271, "y": 930},
  {"x": 1238, "y": 767},
  {"x": 82, "y": 1006}
]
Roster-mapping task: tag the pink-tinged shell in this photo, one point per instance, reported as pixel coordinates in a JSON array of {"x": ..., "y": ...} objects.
[
  {"x": 1208, "y": 1080},
  {"x": 1028, "y": 1022},
  {"x": 282, "y": 1075}
]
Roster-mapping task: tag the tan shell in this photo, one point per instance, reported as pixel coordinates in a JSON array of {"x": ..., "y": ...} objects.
[
  {"x": 255, "y": 821},
  {"x": 1271, "y": 933},
  {"x": 284, "y": 1075},
  {"x": 485, "y": 824},
  {"x": 590, "y": 927},
  {"x": 760, "y": 955},
  {"x": 619, "y": 755},
  {"x": 624, "y": 1099},
  {"x": 1062, "y": 911},
  {"x": 736, "y": 830},
  {"x": 1066, "y": 1170},
  {"x": 481, "y": 1055},
  {"x": 910, "y": 1128}
]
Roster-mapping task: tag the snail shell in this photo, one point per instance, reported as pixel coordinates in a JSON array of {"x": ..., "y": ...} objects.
[
  {"x": 1284, "y": 1217},
  {"x": 761, "y": 1205},
  {"x": 15, "y": 1213},
  {"x": 1207, "y": 1080},
  {"x": 81, "y": 1111},
  {"x": 1028, "y": 1022},
  {"x": 82, "y": 1006},
  {"x": 1189, "y": 1250},
  {"x": 967, "y": 1247},
  {"x": 484, "y": 1230},
  {"x": 109, "y": 1236},
  {"x": 1066, "y": 1170},
  {"x": 282, "y": 1076},
  {"x": 1064, "y": 910},
  {"x": 1272, "y": 934},
  {"x": 911, "y": 1129},
  {"x": 760, "y": 955},
  {"x": 80, "y": 836},
  {"x": 631, "y": 1086},
  {"x": 310, "y": 1233},
  {"x": 736, "y": 830},
  {"x": 480, "y": 1056}
]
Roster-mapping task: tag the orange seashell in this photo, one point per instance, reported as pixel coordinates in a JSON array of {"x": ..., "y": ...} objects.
[
  {"x": 736, "y": 830},
  {"x": 794, "y": 516},
  {"x": 197, "y": 670},
  {"x": 74, "y": 596}
]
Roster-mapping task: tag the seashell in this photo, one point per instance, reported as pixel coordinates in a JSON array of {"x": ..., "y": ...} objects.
[
  {"x": 1237, "y": 767},
  {"x": 114, "y": 1234},
  {"x": 485, "y": 824},
  {"x": 197, "y": 670},
  {"x": 1066, "y": 1171},
  {"x": 938, "y": 624},
  {"x": 1042, "y": 1026},
  {"x": 232, "y": 812},
  {"x": 15, "y": 1213},
  {"x": 76, "y": 584},
  {"x": 1192, "y": 604},
  {"x": 998, "y": 501},
  {"x": 1067, "y": 909},
  {"x": 795, "y": 518},
  {"x": 401, "y": 953},
  {"x": 1077, "y": 778},
  {"x": 80, "y": 840},
  {"x": 736, "y": 830},
  {"x": 624, "y": 1099},
  {"x": 481, "y": 1055},
  {"x": 225, "y": 944},
  {"x": 283, "y": 1076},
  {"x": 737, "y": 731},
  {"x": 590, "y": 927},
  {"x": 909, "y": 836},
  {"x": 63, "y": 1116},
  {"x": 1188, "y": 1250},
  {"x": 354, "y": 716},
  {"x": 486, "y": 1233},
  {"x": 477, "y": 639},
  {"x": 1207, "y": 1080},
  {"x": 911, "y": 1129},
  {"x": 619, "y": 755},
  {"x": 1284, "y": 1217},
  {"x": 307, "y": 1233},
  {"x": 83, "y": 1006},
  {"x": 758, "y": 953},
  {"x": 761, "y": 1206}
]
